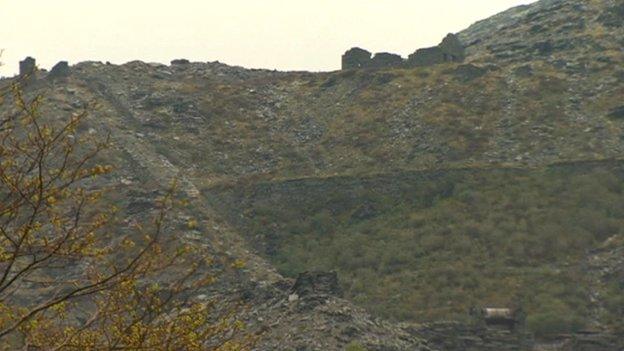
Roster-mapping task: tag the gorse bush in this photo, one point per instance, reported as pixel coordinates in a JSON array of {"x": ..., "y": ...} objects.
[
  {"x": 547, "y": 324},
  {"x": 354, "y": 346}
]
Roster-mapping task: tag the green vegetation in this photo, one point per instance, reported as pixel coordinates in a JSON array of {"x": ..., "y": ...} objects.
[
  {"x": 354, "y": 346},
  {"x": 558, "y": 319},
  {"x": 428, "y": 246}
]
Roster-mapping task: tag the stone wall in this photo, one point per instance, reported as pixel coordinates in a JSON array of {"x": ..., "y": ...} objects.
[
  {"x": 457, "y": 336},
  {"x": 385, "y": 59}
]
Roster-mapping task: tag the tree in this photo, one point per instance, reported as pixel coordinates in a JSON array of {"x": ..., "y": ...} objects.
[{"x": 68, "y": 279}]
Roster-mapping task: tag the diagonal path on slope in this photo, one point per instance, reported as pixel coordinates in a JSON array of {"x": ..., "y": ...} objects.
[{"x": 144, "y": 154}]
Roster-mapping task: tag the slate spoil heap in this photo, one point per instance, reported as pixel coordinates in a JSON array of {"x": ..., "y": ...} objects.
[{"x": 276, "y": 163}]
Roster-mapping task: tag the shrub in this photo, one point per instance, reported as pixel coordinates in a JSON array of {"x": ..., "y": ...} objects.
[
  {"x": 549, "y": 324},
  {"x": 355, "y": 346}
]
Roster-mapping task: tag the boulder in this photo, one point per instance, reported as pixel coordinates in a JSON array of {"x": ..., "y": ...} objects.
[
  {"x": 356, "y": 58},
  {"x": 316, "y": 283}
]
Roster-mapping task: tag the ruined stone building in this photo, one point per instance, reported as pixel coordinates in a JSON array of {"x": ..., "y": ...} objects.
[
  {"x": 356, "y": 58},
  {"x": 27, "y": 67},
  {"x": 59, "y": 70},
  {"x": 449, "y": 50}
]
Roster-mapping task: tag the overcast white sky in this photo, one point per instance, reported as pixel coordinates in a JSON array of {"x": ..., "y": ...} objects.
[{"x": 280, "y": 34}]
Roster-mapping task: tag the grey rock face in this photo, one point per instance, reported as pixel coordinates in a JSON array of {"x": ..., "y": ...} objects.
[{"x": 356, "y": 58}]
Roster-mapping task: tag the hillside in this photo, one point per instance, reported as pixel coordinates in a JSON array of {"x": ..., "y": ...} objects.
[{"x": 431, "y": 190}]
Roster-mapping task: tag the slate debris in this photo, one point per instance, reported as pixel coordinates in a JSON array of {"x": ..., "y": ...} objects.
[
  {"x": 329, "y": 322},
  {"x": 309, "y": 283},
  {"x": 469, "y": 72},
  {"x": 613, "y": 16}
]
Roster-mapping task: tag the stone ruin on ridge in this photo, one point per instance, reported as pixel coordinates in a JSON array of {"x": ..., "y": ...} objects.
[
  {"x": 449, "y": 50},
  {"x": 60, "y": 70},
  {"x": 27, "y": 67}
]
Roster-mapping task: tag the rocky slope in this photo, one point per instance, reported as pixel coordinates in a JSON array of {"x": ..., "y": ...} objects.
[
  {"x": 316, "y": 321},
  {"x": 541, "y": 88}
]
